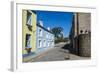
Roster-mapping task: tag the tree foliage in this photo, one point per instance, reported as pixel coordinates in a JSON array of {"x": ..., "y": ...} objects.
[{"x": 57, "y": 31}]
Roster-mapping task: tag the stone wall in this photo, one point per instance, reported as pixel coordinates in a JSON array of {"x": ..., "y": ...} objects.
[
  {"x": 84, "y": 20},
  {"x": 80, "y": 34},
  {"x": 85, "y": 45}
]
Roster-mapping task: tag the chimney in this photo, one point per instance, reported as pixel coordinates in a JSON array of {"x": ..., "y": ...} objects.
[
  {"x": 41, "y": 23},
  {"x": 48, "y": 28}
]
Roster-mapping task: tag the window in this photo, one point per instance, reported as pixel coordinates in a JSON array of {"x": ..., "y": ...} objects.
[
  {"x": 29, "y": 18},
  {"x": 47, "y": 35},
  {"x": 28, "y": 39},
  {"x": 44, "y": 43},
  {"x": 52, "y": 37},
  {"x": 40, "y": 32},
  {"x": 40, "y": 43},
  {"x": 48, "y": 43},
  {"x": 81, "y": 31},
  {"x": 86, "y": 31},
  {"x": 52, "y": 43}
]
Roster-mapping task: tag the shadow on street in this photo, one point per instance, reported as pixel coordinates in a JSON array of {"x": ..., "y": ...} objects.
[{"x": 69, "y": 48}]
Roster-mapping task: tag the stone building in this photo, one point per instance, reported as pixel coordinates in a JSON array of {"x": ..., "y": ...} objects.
[{"x": 80, "y": 34}]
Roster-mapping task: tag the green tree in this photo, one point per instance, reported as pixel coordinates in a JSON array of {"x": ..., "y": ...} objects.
[{"x": 57, "y": 31}]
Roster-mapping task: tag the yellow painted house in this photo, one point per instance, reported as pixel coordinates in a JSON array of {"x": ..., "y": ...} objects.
[{"x": 28, "y": 31}]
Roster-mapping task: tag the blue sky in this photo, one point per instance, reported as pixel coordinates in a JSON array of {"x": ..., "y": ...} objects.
[{"x": 56, "y": 19}]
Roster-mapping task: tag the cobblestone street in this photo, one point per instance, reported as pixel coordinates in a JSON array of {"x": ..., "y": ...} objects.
[{"x": 57, "y": 54}]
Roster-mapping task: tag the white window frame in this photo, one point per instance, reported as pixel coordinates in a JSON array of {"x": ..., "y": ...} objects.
[
  {"x": 29, "y": 21},
  {"x": 40, "y": 43},
  {"x": 28, "y": 42},
  {"x": 40, "y": 32}
]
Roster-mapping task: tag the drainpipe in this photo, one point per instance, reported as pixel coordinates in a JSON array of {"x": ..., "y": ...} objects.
[{"x": 77, "y": 33}]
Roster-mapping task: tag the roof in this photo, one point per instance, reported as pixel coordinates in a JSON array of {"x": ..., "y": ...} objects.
[{"x": 44, "y": 28}]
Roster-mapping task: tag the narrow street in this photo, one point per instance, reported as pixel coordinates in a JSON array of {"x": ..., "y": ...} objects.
[{"x": 57, "y": 54}]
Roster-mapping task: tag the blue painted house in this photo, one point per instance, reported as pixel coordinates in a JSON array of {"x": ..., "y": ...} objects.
[{"x": 44, "y": 38}]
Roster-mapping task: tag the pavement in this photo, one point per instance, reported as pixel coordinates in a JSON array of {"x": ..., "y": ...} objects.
[{"x": 57, "y": 54}]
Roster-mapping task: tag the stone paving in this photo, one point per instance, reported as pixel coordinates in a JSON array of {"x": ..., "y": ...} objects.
[{"x": 57, "y": 54}]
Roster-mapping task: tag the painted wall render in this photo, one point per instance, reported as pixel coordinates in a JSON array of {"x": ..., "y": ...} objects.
[{"x": 35, "y": 38}]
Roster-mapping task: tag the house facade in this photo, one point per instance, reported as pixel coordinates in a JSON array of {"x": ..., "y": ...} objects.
[
  {"x": 80, "y": 34},
  {"x": 28, "y": 32},
  {"x": 35, "y": 38},
  {"x": 45, "y": 39}
]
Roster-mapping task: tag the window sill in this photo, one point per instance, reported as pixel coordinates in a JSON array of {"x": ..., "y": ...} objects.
[{"x": 28, "y": 49}]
